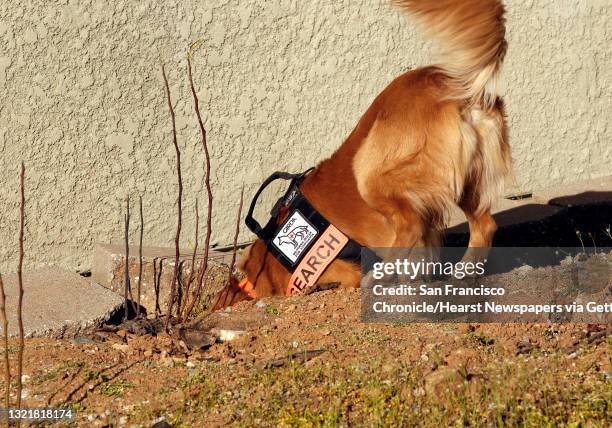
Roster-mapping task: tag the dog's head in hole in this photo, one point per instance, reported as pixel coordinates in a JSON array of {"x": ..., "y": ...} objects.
[{"x": 257, "y": 269}]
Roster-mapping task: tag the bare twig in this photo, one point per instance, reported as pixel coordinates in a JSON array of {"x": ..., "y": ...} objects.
[
  {"x": 20, "y": 280},
  {"x": 65, "y": 385},
  {"x": 592, "y": 339},
  {"x": 179, "y": 202},
  {"x": 297, "y": 357},
  {"x": 180, "y": 289},
  {"x": 193, "y": 257},
  {"x": 7, "y": 365},
  {"x": 204, "y": 265},
  {"x": 140, "y": 256},
  {"x": 126, "y": 279},
  {"x": 322, "y": 287},
  {"x": 157, "y": 283},
  {"x": 234, "y": 249}
]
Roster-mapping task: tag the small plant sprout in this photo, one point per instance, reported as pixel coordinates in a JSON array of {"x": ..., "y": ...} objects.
[
  {"x": 593, "y": 241},
  {"x": 579, "y": 235}
]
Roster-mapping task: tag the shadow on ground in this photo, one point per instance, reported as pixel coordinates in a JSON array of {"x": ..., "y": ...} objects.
[
  {"x": 573, "y": 224},
  {"x": 571, "y": 221}
]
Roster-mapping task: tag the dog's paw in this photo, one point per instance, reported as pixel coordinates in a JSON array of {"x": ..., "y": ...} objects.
[{"x": 475, "y": 255}]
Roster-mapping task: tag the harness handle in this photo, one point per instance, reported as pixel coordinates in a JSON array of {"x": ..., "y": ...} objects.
[{"x": 251, "y": 223}]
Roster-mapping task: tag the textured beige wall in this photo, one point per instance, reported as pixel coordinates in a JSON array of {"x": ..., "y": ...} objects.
[{"x": 282, "y": 83}]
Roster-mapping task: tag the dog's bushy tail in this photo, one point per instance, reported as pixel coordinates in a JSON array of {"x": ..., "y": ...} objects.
[{"x": 473, "y": 46}]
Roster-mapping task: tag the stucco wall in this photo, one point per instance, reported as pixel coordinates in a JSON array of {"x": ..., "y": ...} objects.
[{"x": 282, "y": 82}]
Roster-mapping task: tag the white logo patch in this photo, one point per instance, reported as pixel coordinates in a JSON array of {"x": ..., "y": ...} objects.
[{"x": 295, "y": 236}]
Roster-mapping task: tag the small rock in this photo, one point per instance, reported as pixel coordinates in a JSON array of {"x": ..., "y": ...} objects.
[
  {"x": 190, "y": 364},
  {"x": 123, "y": 420},
  {"x": 524, "y": 269},
  {"x": 121, "y": 347},
  {"x": 326, "y": 332},
  {"x": 25, "y": 378},
  {"x": 261, "y": 304},
  {"x": 225, "y": 335},
  {"x": 438, "y": 377},
  {"x": 295, "y": 344},
  {"x": 466, "y": 328},
  {"x": 82, "y": 340},
  {"x": 195, "y": 339}
]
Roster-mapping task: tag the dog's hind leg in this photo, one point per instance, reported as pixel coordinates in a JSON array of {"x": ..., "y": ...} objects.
[
  {"x": 490, "y": 168},
  {"x": 482, "y": 226}
]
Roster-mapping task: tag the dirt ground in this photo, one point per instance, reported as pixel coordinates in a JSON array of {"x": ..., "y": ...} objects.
[{"x": 341, "y": 372}]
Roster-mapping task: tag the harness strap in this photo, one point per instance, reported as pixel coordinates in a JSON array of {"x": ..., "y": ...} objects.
[{"x": 266, "y": 231}]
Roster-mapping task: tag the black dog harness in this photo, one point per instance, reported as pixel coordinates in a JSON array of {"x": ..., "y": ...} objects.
[{"x": 305, "y": 243}]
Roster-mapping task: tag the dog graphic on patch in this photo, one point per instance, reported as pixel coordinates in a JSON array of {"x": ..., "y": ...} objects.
[{"x": 292, "y": 237}]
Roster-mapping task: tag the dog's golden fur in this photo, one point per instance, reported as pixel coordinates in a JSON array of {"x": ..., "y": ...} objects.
[{"x": 435, "y": 137}]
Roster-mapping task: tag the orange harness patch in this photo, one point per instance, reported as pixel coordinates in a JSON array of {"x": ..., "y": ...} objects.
[
  {"x": 319, "y": 257},
  {"x": 248, "y": 288}
]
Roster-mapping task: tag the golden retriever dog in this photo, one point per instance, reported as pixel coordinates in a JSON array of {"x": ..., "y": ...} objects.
[{"x": 434, "y": 138}]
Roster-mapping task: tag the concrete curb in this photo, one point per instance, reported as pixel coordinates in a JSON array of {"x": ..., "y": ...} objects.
[
  {"x": 58, "y": 304},
  {"x": 108, "y": 270}
]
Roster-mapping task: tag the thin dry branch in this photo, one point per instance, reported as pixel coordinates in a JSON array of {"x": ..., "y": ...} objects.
[
  {"x": 138, "y": 289},
  {"x": 126, "y": 279},
  {"x": 204, "y": 265},
  {"x": 157, "y": 272},
  {"x": 20, "y": 280},
  {"x": 179, "y": 202},
  {"x": 7, "y": 364},
  {"x": 193, "y": 257}
]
